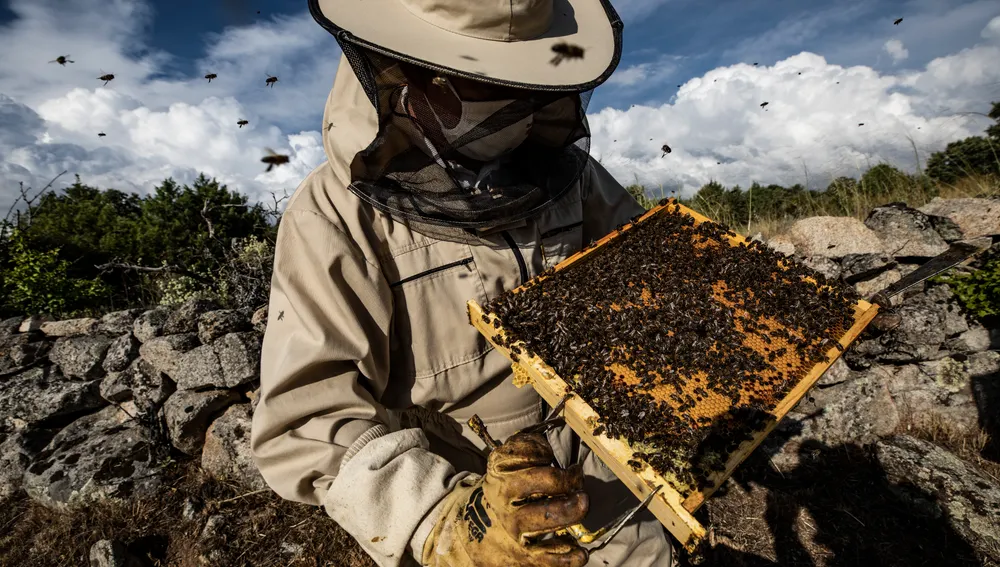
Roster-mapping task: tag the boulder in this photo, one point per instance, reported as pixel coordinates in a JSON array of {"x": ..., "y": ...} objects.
[
  {"x": 39, "y": 395},
  {"x": 184, "y": 319},
  {"x": 868, "y": 288},
  {"x": 856, "y": 411},
  {"x": 16, "y": 453},
  {"x": 96, "y": 457},
  {"x": 189, "y": 413},
  {"x": 239, "y": 354},
  {"x": 199, "y": 368},
  {"x": 226, "y": 452},
  {"x": 861, "y": 267},
  {"x": 823, "y": 265},
  {"x": 934, "y": 393},
  {"x": 165, "y": 352},
  {"x": 32, "y": 324},
  {"x": 8, "y": 345},
  {"x": 214, "y": 324},
  {"x": 116, "y": 387},
  {"x": 905, "y": 232},
  {"x": 935, "y": 483},
  {"x": 10, "y": 326},
  {"x": 780, "y": 243},
  {"x": 975, "y": 217},
  {"x": 70, "y": 327},
  {"x": 149, "y": 324},
  {"x": 150, "y": 388},
  {"x": 833, "y": 237},
  {"x": 121, "y": 352},
  {"x": 29, "y": 353},
  {"x": 80, "y": 357},
  {"x": 119, "y": 322}
]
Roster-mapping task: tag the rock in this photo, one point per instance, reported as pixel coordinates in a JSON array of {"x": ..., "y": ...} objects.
[
  {"x": 918, "y": 337},
  {"x": 150, "y": 324},
  {"x": 31, "y": 324},
  {"x": 121, "y": 352},
  {"x": 781, "y": 243},
  {"x": 936, "y": 483},
  {"x": 191, "y": 509},
  {"x": 8, "y": 345},
  {"x": 199, "y": 368},
  {"x": 29, "y": 353},
  {"x": 833, "y": 237},
  {"x": 975, "y": 217},
  {"x": 189, "y": 413},
  {"x": 164, "y": 353},
  {"x": 293, "y": 550},
  {"x": 112, "y": 553},
  {"x": 93, "y": 458},
  {"x": 837, "y": 372},
  {"x": 983, "y": 363},
  {"x": 254, "y": 399},
  {"x": 862, "y": 410},
  {"x": 38, "y": 395},
  {"x": 860, "y": 267},
  {"x": 10, "y": 326},
  {"x": 868, "y": 288},
  {"x": 16, "y": 453},
  {"x": 119, "y": 322},
  {"x": 150, "y": 388},
  {"x": 80, "y": 357},
  {"x": 116, "y": 387},
  {"x": 213, "y": 526},
  {"x": 936, "y": 393},
  {"x": 239, "y": 354},
  {"x": 69, "y": 327},
  {"x": 947, "y": 228},
  {"x": 184, "y": 319},
  {"x": 214, "y": 324},
  {"x": 226, "y": 452},
  {"x": 954, "y": 319},
  {"x": 823, "y": 265},
  {"x": 259, "y": 320},
  {"x": 905, "y": 232},
  {"x": 976, "y": 339}
]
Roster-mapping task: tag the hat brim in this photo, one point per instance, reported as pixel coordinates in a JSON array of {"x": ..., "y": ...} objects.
[{"x": 388, "y": 27}]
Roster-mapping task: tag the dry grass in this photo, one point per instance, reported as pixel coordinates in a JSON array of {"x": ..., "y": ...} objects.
[
  {"x": 252, "y": 532},
  {"x": 969, "y": 445}
]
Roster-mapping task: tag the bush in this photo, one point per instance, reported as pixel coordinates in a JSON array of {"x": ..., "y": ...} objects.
[
  {"x": 245, "y": 280},
  {"x": 37, "y": 281},
  {"x": 975, "y": 156},
  {"x": 979, "y": 292}
]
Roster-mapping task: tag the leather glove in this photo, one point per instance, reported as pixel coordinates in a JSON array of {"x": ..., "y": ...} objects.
[{"x": 495, "y": 520}]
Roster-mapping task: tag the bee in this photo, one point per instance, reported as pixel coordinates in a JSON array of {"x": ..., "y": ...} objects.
[
  {"x": 101, "y": 134},
  {"x": 107, "y": 78},
  {"x": 242, "y": 122},
  {"x": 754, "y": 63},
  {"x": 763, "y": 104},
  {"x": 62, "y": 60},
  {"x": 273, "y": 159},
  {"x": 271, "y": 80},
  {"x": 211, "y": 76},
  {"x": 897, "y": 22},
  {"x": 861, "y": 123},
  {"x": 565, "y": 50},
  {"x": 440, "y": 82},
  {"x": 329, "y": 125},
  {"x": 665, "y": 149}
]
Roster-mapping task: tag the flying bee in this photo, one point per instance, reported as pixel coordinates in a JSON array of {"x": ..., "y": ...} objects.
[
  {"x": 861, "y": 123},
  {"x": 763, "y": 104},
  {"x": 897, "y": 22},
  {"x": 565, "y": 50},
  {"x": 665, "y": 149},
  {"x": 62, "y": 60},
  {"x": 273, "y": 159},
  {"x": 328, "y": 126},
  {"x": 211, "y": 76},
  {"x": 101, "y": 134},
  {"x": 107, "y": 78},
  {"x": 242, "y": 122},
  {"x": 271, "y": 80}
]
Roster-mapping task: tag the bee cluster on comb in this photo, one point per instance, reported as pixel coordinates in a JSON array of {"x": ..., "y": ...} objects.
[{"x": 682, "y": 342}]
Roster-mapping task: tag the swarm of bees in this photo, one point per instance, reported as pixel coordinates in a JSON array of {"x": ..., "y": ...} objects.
[
  {"x": 242, "y": 122},
  {"x": 107, "y": 78},
  {"x": 211, "y": 76},
  {"x": 270, "y": 80},
  {"x": 273, "y": 159},
  {"x": 62, "y": 60},
  {"x": 675, "y": 351},
  {"x": 565, "y": 50}
]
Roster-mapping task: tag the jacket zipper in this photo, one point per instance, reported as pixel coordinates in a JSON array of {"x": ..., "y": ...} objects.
[
  {"x": 517, "y": 256},
  {"x": 432, "y": 271},
  {"x": 561, "y": 229}
]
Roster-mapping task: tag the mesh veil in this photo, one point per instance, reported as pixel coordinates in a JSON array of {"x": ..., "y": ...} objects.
[{"x": 412, "y": 172}]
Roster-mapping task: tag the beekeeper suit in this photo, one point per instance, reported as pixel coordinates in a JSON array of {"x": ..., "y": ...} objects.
[{"x": 457, "y": 168}]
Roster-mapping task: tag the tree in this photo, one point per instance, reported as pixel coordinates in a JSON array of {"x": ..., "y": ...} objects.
[{"x": 976, "y": 155}]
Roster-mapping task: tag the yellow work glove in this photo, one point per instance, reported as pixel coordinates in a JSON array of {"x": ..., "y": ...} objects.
[{"x": 496, "y": 520}]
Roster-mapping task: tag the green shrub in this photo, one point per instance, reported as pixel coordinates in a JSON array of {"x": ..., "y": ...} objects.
[
  {"x": 978, "y": 292},
  {"x": 244, "y": 281},
  {"x": 37, "y": 282}
]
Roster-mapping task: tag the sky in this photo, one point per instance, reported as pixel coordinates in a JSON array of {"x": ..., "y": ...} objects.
[{"x": 693, "y": 75}]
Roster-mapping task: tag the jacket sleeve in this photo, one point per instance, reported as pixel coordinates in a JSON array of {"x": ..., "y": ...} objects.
[
  {"x": 319, "y": 435},
  {"x": 606, "y": 204}
]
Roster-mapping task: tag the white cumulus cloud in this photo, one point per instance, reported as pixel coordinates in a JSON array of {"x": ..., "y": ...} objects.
[{"x": 895, "y": 49}]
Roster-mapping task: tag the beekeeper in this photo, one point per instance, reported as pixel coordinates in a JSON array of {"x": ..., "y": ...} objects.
[{"x": 458, "y": 168}]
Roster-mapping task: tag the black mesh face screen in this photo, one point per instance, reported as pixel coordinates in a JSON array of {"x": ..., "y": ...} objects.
[{"x": 478, "y": 163}]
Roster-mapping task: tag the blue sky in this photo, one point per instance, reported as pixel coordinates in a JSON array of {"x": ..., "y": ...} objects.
[{"x": 908, "y": 82}]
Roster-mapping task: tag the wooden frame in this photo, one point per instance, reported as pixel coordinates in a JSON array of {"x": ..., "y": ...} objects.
[{"x": 673, "y": 510}]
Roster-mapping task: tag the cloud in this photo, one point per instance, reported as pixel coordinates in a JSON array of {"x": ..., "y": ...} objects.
[
  {"x": 808, "y": 133},
  {"x": 992, "y": 29},
  {"x": 158, "y": 124},
  {"x": 895, "y": 49}
]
